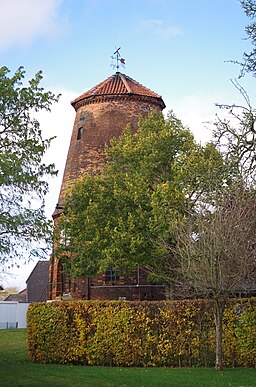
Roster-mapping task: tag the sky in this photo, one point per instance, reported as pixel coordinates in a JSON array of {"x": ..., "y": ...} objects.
[{"x": 181, "y": 49}]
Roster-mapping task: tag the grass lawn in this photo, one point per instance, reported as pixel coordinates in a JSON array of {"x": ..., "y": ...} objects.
[{"x": 17, "y": 370}]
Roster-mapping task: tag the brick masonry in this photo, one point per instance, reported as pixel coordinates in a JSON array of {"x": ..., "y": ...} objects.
[
  {"x": 95, "y": 125},
  {"x": 98, "y": 119}
]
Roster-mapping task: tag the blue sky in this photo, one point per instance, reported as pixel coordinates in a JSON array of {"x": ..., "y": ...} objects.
[
  {"x": 168, "y": 44},
  {"x": 178, "y": 48}
]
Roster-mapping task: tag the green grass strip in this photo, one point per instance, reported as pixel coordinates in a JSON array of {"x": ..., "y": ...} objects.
[{"x": 17, "y": 370}]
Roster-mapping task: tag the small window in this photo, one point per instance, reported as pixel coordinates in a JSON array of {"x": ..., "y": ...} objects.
[
  {"x": 112, "y": 274},
  {"x": 81, "y": 118},
  {"x": 79, "y": 133}
]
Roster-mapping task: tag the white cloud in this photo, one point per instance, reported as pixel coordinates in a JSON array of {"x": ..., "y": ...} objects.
[
  {"x": 59, "y": 122},
  {"x": 195, "y": 111},
  {"x": 159, "y": 27},
  {"x": 198, "y": 111},
  {"x": 23, "y": 21}
]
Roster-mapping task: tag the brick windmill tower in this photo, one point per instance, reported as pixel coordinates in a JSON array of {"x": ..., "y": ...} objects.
[{"x": 102, "y": 113}]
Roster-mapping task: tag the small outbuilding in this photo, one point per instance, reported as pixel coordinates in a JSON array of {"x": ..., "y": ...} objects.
[{"x": 37, "y": 283}]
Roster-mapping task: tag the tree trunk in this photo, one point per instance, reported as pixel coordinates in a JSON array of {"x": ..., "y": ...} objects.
[{"x": 219, "y": 306}]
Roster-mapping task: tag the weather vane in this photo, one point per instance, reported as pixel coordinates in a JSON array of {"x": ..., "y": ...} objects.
[{"x": 117, "y": 61}]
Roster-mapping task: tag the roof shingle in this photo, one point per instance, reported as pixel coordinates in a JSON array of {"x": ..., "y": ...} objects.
[{"x": 117, "y": 84}]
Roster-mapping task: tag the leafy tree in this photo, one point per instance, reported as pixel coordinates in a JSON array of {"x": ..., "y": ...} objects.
[
  {"x": 151, "y": 181},
  {"x": 216, "y": 255},
  {"x": 23, "y": 226}
]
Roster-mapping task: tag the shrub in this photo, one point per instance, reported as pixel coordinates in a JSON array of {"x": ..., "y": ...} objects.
[{"x": 123, "y": 333}]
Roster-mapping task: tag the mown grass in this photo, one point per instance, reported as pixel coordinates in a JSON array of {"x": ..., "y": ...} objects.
[{"x": 17, "y": 370}]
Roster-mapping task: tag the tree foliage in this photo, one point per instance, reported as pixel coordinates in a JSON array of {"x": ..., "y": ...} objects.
[
  {"x": 23, "y": 225},
  {"x": 236, "y": 132},
  {"x": 235, "y": 135},
  {"x": 151, "y": 181},
  {"x": 216, "y": 253},
  {"x": 217, "y": 248},
  {"x": 249, "y": 62}
]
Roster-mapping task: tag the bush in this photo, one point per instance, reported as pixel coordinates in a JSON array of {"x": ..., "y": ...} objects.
[{"x": 123, "y": 333}]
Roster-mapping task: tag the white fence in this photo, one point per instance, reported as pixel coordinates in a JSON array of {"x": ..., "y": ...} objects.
[{"x": 13, "y": 314}]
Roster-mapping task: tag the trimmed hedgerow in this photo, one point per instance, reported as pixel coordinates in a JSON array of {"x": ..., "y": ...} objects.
[{"x": 123, "y": 333}]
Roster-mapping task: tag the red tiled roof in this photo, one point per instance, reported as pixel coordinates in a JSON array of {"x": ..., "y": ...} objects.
[{"x": 117, "y": 84}]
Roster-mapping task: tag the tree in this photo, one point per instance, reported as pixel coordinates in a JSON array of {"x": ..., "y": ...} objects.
[
  {"x": 216, "y": 253},
  {"x": 248, "y": 64},
  {"x": 23, "y": 225},
  {"x": 249, "y": 58},
  {"x": 237, "y": 131},
  {"x": 235, "y": 135},
  {"x": 151, "y": 180}
]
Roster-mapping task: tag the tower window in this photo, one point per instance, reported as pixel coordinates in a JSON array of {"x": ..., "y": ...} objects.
[
  {"x": 79, "y": 133},
  {"x": 81, "y": 118},
  {"x": 112, "y": 274}
]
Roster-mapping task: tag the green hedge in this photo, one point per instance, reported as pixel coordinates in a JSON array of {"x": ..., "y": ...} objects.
[{"x": 122, "y": 333}]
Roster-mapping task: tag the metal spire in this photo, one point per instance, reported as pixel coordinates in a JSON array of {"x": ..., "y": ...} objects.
[{"x": 117, "y": 60}]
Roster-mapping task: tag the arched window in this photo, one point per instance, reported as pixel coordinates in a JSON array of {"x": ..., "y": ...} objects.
[{"x": 79, "y": 133}]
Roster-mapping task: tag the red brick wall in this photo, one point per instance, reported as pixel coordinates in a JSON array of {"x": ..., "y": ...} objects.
[
  {"x": 96, "y": 122},
  {"x": 133, "y": 287}
]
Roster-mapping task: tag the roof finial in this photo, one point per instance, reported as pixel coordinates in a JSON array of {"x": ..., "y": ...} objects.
[{"x": 117, "y": 60}]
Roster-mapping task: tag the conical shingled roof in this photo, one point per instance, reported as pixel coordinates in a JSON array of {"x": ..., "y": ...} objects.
[{"x": 117, "y": 85}]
